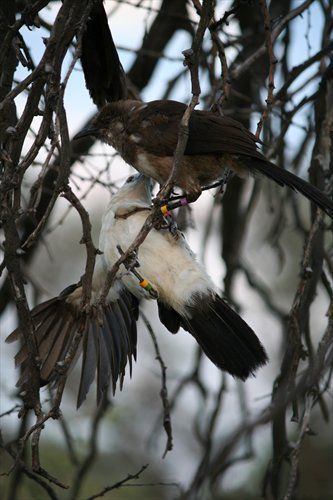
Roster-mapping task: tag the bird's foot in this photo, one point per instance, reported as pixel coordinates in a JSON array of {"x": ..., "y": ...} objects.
[
  {"x": 193, "y": 195},
  {"x": 131, "y": 260},
  {"x": 172, "y": 225},
  {"x": 158, "y": 201},
  {"x": 163, "y": 222}
]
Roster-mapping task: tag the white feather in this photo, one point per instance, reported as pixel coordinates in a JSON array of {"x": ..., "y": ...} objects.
[
  {"x": 98, "y": 281},
  {"x": 165, "y": 261}
]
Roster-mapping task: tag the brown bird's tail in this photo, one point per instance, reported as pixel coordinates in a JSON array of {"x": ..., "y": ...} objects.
[
  {"x": 104, "y": 75},
  {"x": 108, "y": 341},
  {"x": 285, "y": 178},
  {"x": 224, "y": 337}
]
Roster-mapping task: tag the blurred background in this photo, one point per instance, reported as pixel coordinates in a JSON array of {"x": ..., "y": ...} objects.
[{"x": 251, "y": 241}]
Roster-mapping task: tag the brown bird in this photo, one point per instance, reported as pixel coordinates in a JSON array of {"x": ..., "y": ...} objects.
[{"x": 146, "y": 135}]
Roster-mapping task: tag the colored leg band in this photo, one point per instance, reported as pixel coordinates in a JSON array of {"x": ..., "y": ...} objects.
[
  {"x": 145, "y": 284},
  {"x": 165, "y": 210}
]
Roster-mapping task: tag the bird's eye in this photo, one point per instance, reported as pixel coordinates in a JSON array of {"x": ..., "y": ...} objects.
[{"x": 130, "y": 179}]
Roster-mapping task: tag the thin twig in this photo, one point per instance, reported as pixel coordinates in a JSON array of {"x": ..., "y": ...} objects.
[
  {"x": 119, "y": 484},
  {"x": 164, "y": 390},
  {"x": 272, "y": 62}
]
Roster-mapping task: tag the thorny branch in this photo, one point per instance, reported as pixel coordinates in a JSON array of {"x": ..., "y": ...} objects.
[{"x": 92, "y": 251}]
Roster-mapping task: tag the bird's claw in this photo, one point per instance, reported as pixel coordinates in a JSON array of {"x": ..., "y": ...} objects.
[
  {"x": 131, "y": 259},
  {"x": 167, "y": 222}
]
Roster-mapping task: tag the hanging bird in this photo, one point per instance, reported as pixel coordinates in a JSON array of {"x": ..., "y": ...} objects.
[
  {"x": 146, "y": 135},
  {"x": 186, "y": 298},
  {"x": 186, "y": 295},
  {"x": 108, "y": 336}
]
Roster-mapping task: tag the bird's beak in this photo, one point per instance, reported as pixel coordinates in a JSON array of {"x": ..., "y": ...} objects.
[
  {"x": 146, "y": 181},
  {"x": 141, "y": 188},
  {"x": 149, "y": 185},
  {"x": 86, "y": 132}
]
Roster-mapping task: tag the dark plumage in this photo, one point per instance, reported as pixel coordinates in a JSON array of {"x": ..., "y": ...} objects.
[
  {"x": 108, "y": 340},
  {"x": 103, "y": 72},
  {"x": 146, "y": 136},
  {"x": 238, "y": 350},
  {"x": 226, "y": 339}
]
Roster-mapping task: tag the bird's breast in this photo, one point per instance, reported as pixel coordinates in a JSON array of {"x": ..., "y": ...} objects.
[
  {"x": 165, "y": 262},
  {"x": 157, "y": 167}
]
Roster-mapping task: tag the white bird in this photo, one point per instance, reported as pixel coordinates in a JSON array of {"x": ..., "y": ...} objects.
[
  {"x": 186, "y": 294},
  {"x": 186, "y": 298}
]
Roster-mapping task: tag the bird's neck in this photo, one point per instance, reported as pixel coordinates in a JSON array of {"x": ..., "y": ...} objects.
[{"x": 117, "y": 137}]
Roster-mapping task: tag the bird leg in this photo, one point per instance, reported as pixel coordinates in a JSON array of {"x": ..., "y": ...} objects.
[
  {"x": 228, "y": 174},
  {"x": 181, "y": 201},
  {"x": 167, "y": 221},
  {"x": 131, "y": 260},
  {"x": 131, "y": 263},
  {"x": 187, "y": 199}
]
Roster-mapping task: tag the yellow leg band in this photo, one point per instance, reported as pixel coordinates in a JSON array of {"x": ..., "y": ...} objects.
[
  {"x": 164, "y": 210},
  {"x": 145, "y": 284}
]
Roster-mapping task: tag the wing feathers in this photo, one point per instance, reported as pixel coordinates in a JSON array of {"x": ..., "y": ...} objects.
[
  {"x": 88, "y": 364},
  {"x": 108, "y": 341},
  {"x": 132, "y": 305},
  {"x": 211, "y": 134},
  {"x": 208, "y": 133},
  {"x": 110, "y": 349},
  {"x": 51, "y": 357},
  {"x": 115, "y": 336}
]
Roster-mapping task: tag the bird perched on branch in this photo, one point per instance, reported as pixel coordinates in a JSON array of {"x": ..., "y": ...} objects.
[
  {"x": 108, "y": 336},
  {"x": 146, "y": 135},
  {"x": 186, "y": 295}
]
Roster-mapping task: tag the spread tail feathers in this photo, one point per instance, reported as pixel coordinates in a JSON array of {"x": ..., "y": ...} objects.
[
  {"x": 108, "y": 341},
  {"x": 286, "y": 178},
  {"x": 224, "y": 337}
]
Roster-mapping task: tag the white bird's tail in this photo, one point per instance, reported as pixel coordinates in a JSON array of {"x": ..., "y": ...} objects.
[{"x": 223, "y": 335}]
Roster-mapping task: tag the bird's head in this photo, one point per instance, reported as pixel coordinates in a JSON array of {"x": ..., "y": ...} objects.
[
  {"x": 110, "y": 121},
  {"x": 136, "y": 192}
]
